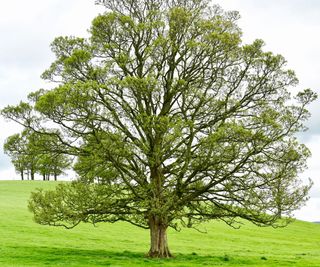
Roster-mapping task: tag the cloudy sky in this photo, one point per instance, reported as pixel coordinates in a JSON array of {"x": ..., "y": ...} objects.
[{"x": 288, "y": 27}]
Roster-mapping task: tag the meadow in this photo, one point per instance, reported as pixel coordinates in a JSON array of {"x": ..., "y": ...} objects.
[{"x": 25, "y": 243}]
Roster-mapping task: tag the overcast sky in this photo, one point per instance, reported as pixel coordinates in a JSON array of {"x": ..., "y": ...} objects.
[{"x": 288, "y": 27}]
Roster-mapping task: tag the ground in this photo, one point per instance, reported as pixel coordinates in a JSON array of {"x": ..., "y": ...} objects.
[{"x": 25, "y": 243}]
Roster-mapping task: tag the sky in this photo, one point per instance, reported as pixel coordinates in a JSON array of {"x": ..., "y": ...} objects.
[{"x": 288, "y": 27}]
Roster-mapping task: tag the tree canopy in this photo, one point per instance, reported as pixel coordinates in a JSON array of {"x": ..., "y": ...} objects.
[{"x": 174, "y": 122}]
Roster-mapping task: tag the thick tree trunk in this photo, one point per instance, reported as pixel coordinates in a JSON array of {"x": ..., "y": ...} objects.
[
  {"x": 55, "y": 177},
  {"x": 22, "y": 177},
  {"x": 158, "y": 235},
  {"x": 43, "y": 177}
]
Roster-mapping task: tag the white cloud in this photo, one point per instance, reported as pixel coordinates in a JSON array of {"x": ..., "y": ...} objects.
[
  {"x": 27, "y": 28},
  {"x": 290, "y": 28},
  {"x": 311, "y": 212}
]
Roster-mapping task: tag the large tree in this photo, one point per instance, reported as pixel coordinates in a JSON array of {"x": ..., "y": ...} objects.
[{"x": 174, "y": 122}]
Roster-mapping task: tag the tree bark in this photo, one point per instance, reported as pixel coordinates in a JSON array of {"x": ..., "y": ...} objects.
[
  {"x": 22, "y": 177},
  {"x": 158, "y": 238}
]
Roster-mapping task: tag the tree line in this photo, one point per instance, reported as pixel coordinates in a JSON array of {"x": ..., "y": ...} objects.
[{"x": 30, "y": 155}]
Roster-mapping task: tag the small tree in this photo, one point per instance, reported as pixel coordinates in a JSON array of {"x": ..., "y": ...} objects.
[
  {"x": 92, "y": 167},
  {"x": 179, "y": 122},
  {"x": 11, "y": 147},
  {"x": 44, "y": 167},
  {"x": 59, "y": 163},
  {"x": 51, "y": 161},
  {"x": 23, "y": 158}
]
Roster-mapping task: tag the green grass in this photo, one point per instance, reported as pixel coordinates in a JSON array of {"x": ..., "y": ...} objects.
[{"x": 24, "y": 243}]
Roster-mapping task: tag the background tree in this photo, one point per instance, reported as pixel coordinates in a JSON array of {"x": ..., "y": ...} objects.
[
  {"x": 59, "y": 163},
  {"x": 178, "y": 120},
  {"x": 24, "y": 159},
  {"x": 12, "y": 147},
  {"x": 31, "y": 153},
  {"x": 52, "y": 164},
  {"x": 44, "y": 168},
  {"x": 92, "y": 167},
  {"x": 50, "y": 160}
]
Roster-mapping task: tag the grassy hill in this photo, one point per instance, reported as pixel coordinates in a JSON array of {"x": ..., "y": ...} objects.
[{"x": 24, "y": 243}]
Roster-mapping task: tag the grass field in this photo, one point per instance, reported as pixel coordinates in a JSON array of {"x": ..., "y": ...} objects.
[{"x": 24, "y": 243}]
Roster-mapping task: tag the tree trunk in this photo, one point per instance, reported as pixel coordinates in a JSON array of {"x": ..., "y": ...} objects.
[
  {"x": 55, "y": 177},
  {"x": 22, "y": 177},
  {"x": 158, "y": 235},
  {"x": 32, "y": 175},
  {"x": 43, "y": 177}
]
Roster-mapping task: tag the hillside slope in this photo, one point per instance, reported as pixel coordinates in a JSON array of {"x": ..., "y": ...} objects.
[{"x": 24, "y": 243}]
